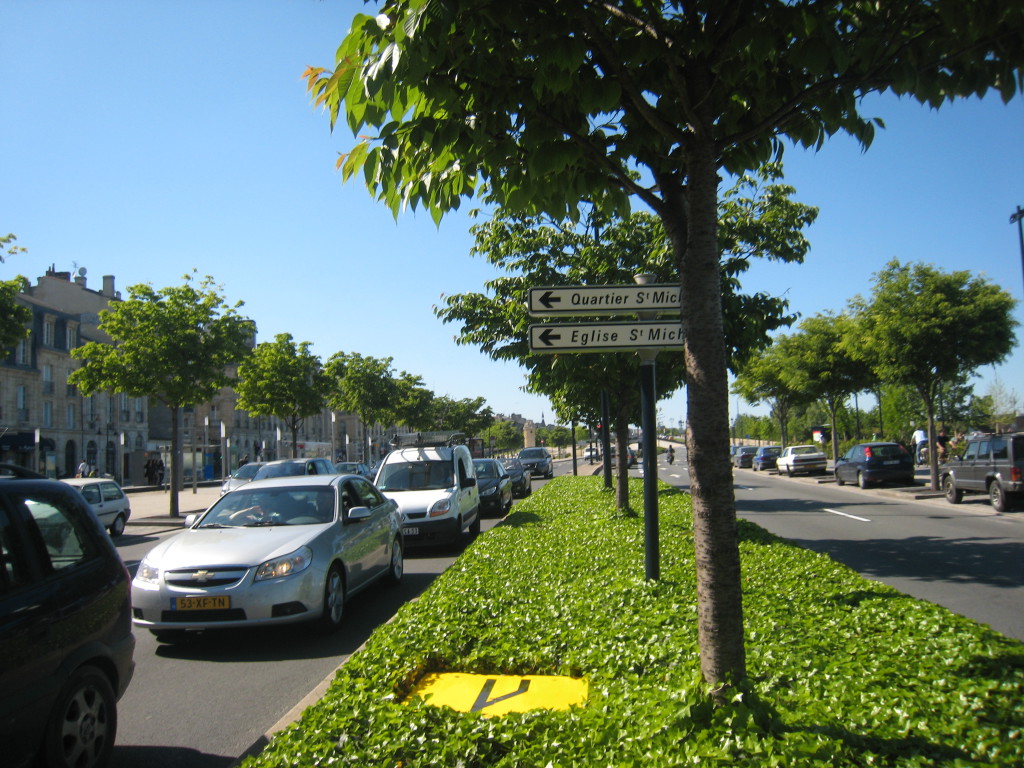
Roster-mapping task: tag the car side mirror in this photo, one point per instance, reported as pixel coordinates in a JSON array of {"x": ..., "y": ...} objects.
[
  {"x": 190, "y": 520},
  {"x": 470, "y": 482},
  {"x": 358, "y": 514}
]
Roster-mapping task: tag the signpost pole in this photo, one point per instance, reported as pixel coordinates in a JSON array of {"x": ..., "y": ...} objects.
[
  {"x": 652, "y": 559},
  {"x": 605, "y": 442}
]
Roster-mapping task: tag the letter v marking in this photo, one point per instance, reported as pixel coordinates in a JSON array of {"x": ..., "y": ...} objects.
[{"x": 483, "y": 699}]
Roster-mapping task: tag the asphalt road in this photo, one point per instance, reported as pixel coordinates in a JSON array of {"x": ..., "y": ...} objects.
[
  {"x": 966, "y": 558},
  {"x": 209, "y": 701}
]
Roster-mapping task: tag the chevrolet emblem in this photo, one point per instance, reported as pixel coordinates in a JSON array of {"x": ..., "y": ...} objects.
[{"x": 202, "y": 576}]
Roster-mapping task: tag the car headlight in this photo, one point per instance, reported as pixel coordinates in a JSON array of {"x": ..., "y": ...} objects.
[
  {"x": 440, "y": 507},
  {"x": 489, "y": 492},
  {"x": 296, "y": 562},
  {"x": 147, "y": 572}
]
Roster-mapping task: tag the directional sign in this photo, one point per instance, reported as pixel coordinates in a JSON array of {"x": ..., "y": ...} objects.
[
  {"x": 500, "y": 694},
  {"x": 605, "y": 337},
  {"x": 603, "y": 299}
]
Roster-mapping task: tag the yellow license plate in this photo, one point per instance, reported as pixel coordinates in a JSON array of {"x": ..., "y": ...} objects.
[{"x": 201, "y": 603}]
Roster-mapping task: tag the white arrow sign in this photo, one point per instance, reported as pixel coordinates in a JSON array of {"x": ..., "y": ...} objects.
[
  {"x": 603, "y": 299},
  {"x": 604, "y": 337}
]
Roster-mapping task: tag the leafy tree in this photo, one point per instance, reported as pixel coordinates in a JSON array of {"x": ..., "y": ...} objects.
[
  {"x": 468, "y": 415},
  {"x": 763, "y": 379},
  {"x": 173, "y": 345},
  {"x": 15, "y": 318},
  {"x": 365, "y": 386},
  {"x": 507, "y": 436},
  {"x": 282, "y": 379},
  {"x": 821, "y": 367},
  {"x": 924, "y": 328},
  {"x": 538, "y": 106}
]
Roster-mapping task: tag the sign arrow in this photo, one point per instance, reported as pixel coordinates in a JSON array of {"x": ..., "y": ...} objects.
[
  {"x": 548, "y": 299},
  {"x": 548, "y": 336}
]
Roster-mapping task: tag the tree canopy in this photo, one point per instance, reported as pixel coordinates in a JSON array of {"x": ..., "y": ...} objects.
[
  {"x": 14, "y": 317},
  {"x": 537, "y": 106},
  {"x": 174, "y": 345},
  {"x": 282, "y": 379}
]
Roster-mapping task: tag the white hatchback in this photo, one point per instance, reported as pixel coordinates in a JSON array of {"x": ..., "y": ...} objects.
[{"x": 107, "y": 500}]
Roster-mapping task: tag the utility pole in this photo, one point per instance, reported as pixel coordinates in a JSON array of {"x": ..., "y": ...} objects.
[{"x": 1018, "y": 217}]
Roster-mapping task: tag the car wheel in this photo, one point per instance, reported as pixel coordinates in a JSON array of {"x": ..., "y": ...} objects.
[
  {"x": 474, "y": 527},
  {"x": 117, "y": 527},
  {"x": 953, "y": 494},
  {"x": 997, "y": 496},
  {"x": 334, "y": 599},
  {"x": 83, "y": 722},
  {"x": 839, "y": 480},
  {"x": 397, "y": 567},
  {"x": 862, "y": 480}
]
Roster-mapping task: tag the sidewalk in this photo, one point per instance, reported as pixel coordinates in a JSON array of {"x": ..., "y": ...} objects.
[{"x": 152, "y": 507}]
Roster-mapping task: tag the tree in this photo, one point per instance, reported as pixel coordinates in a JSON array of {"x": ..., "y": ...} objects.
[
  {"x": 536, "y": 106},
  {"x": 365, "y": 386},
  {"x": 173, "y": 345},
  {"x": 15, "y": 318},
  {"x": 282, "y": 379},
  {"x": 925, "y": 328},
  {"x": 468, "y": 415},
  {"x": 822, "y": 368},
  {"x": 505, "y": 436},
  {"x": 763, "y": 379}
]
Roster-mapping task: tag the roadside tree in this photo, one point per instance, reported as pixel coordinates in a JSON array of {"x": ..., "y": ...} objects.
[
  {"x": 468, "y": 415},
  {"x": 365, "y": 386},
  {"x": 282, "y": 379},
  {"x": 925, "y": 328},
  {"x": 764, "y": 379},
  {"x": 538, "y": 106},
  {"x": 15, "y": 318},
  {"x": 174, "y": 345}
]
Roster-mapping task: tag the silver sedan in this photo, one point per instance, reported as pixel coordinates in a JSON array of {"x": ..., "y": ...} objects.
[{"x": 271, "y": 552}]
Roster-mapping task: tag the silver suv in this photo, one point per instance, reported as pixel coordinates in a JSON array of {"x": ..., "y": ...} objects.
[{"x": 990, "y": 464}]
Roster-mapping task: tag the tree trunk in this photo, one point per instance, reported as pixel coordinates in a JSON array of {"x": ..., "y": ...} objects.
[
  {"x": 621, "y": 463},
  {"x": 719, "y": 588},
  {"x": 175, "y": 468}
]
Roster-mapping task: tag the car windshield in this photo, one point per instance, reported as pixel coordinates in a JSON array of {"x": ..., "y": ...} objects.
[
  {"x": 512, "y": 464},
  {"x": 771, "y": 451},
  {"x": 801, "y": 449},
  {"x": 533, "y": 453},
  {"x": 416, "y": 476},
  {"x": 246, "y": 471},
  {"x": 249, "y": 508},
  {"x": 287, "y": 469},
  {"x": 347, "y": 468},
  {"x": 485, "y": 469}
]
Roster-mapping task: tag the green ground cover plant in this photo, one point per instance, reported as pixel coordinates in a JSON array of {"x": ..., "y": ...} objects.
[{"x": 843, "y": 671}]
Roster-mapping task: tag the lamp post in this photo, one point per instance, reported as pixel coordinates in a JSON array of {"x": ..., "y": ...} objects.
[
  {"x": 1018, "y": 217},
  {"x": 223, "y": 451},
  {"x": 206, "y": 441}
]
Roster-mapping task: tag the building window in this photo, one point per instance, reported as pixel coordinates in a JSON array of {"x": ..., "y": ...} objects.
[
  {"x": 69, "y": 416},
  {"x": 47, "y": 379},
  {"x": 140, "y": 413},
  {"x": 48, "y": 331},
  {"x": 21, "y": 353},
  {"x": 126, "y": 413},
  {"x": 69, "y": 336},
  {"x": 21, "y": 400},
  {"x": 47, "y": 414}
]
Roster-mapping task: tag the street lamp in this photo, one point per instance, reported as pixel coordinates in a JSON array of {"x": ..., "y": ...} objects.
[{"x": 1018, "y": 218}]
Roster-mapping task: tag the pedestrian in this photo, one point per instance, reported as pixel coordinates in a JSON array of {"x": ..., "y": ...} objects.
[
  {"x": 160, "y": 472},
  {"x": 920, "y": 438},
  {"x": 941, "y": 442},
  {"x": 83, "y": 469}
]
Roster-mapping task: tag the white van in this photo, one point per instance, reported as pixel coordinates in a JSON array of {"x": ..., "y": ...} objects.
[{"x": 436, "y": 491}]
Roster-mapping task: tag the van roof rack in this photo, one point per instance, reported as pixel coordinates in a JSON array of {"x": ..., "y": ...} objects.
[{"x": 428, "y": 439}]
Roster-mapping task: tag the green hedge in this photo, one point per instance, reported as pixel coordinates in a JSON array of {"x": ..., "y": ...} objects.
[{"x": 843, "y": 671}]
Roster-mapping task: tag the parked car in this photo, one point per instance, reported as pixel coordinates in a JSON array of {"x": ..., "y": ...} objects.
[
  {"x": 240, "y": 476},
  {"x": 522, "y": 484},
  {"x": 495, "y": 486},
  {"x": 278, "y": 551},
  {"x": 107, "y": 500},
  {"x": 293, "y": 467},
  {"x": 992, "y": 464},
  {"x": 765, "y": 458},
  {"x": 801, "y": 458},
  {"x": 872, "y": 463},
  {"x": 354, "y": 468},
  {"x": 538, "y": 461},
  {"x": 744, "y": 456},
  {"x": 592, "y": 453},
  {"x": 436, "y": 490},
  {"x": 66, "y": 643},
  {"x": 631, "y": 457}
]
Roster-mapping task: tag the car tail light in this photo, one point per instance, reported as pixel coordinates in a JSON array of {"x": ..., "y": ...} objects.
[{"x": 1015, "y": 474}]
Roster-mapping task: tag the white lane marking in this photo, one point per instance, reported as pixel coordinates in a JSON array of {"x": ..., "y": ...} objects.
[{"x": 852, "y": 517}]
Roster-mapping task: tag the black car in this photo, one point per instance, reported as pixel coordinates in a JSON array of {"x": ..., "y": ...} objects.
[
  {"x": 873, "y": 463},
  {"x": 766, "y": 458},
  {"x": 538, "y": 461},
  {"x": 66, "y": 644},
  {"x": 522, "y": 484},
  {"x": 495, "y": 486}
]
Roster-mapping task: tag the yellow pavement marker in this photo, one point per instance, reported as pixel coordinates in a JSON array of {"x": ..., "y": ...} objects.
[{"x": 500, "y": 694}]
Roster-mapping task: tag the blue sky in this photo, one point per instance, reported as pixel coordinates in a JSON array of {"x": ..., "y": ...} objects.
[{"x": 145, "y": 140}]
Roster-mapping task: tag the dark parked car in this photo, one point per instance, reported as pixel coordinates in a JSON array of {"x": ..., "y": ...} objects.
[
  {"x": 538, "y": 461},
  {"x": 522, "y": 484},
  {"x": 991, "y": 464},
  {"x": 766, "y": 458},
  {"x": 495, "y": 486},
  {"x": 66, "y": 645},
  {"x": 744, "y": 456},
  {"x": 873, "y": 463}
]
